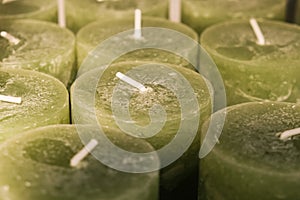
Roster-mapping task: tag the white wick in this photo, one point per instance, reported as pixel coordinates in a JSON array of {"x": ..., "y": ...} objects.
[
  {"x": 137, "y": 24},
  {"x": 7, "y": 1},
  {"x": 61, "y": 13},
  {"x": 290, "y": 133},
  {"x": 83, "y": 153},
  {"x": 12, "y": 39},
  {"x": 175, "y": 10},
  {"x": 131, "y": 82},
  {"x": 11, "y": 99},
  {"x": 258, "y": 33}
]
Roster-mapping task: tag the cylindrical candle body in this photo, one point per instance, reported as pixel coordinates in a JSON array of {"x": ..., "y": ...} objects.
[
  {"x": 200, "y": 14},
  {"x": 89, "y": 37},
  {"x": 160, "y": 78},
  {"x": 253, "y": 72},
  {"x": 80, "y": 13},
  {"x": 250, "y": 161},
  {"x": 43, "y": 47},
  {"x": 36, "y": 165},
  {"x": 34, "y": 9},
  {"x": 45, "y": 101}
]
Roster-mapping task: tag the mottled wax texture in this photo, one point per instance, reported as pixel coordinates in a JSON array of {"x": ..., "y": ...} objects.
[
  {"x": 250, "y": 161},
  {"x": 44, "y": 47},
  {"x": 34, "y": 9},
  {"x": 44, "y": 101},
  {"x": 36, "y": 165},
  {"x": 80, "y": 13},
  {"x": 253, "y": 72},
  {"x": 200, "y": 14}
]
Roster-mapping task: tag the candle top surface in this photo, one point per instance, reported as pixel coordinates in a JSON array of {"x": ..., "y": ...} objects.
[
  {"x": 249, "y": 137},
  {"x": 36, "y": 165},
  {"x": 24, "y": 8},
  {"x": 40, "y": 42},
  {"x": 237, "y": 42},
  {"x": 43, "y": 99}
]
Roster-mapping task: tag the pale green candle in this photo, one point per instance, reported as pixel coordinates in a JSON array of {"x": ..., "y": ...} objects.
[
  {"x": 251, "y": 161},
  {"x": 36, "y": 165},
  {"x": 35, "y": 9},
  {"x": 200, "y": 14},
  {"x": 89, "y": 37},
  {"x": 43, "y": 47},
  {"x": 181, "y": 101},
  {"x": 44, "y": 100},
  {"x": 252, "y": 71},
  {"x": 80, "y": 13}
]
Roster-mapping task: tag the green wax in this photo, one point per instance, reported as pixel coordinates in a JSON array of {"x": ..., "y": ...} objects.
[
  {"x": 45, "y": 100},
  {"x": 141, "y": 103},
  {"x": 36, "y": 165},
  {"x": 253, "y": 72},
  {"x": 44, "y": 47},
  {"x": 34, "y": 9},
  {"x": 200, "y": 14},
  {"x": 89, "y": 37},
  {"x": 80, "y": 13},
  {"x": 297, "y": 12},
  {"x": 250, "y": 161}
]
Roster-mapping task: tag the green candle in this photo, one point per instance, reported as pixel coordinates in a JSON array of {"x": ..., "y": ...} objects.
[
  {"x": 180, "y": 92},
  {"x": 80, "y": 13},
  {"x": 89, "y": 37},
  {"x": 35, "y": 9},
  {"x": 36, "y": 165},
  {"x": 297, "y": 12},
  {"x": 200, "y": 14},
  {"x": 42, "y": 46},
  {"x": 251, "y": 161},
  {"x": 44, "y": 100},
  {"x": 255, "y": 72}
]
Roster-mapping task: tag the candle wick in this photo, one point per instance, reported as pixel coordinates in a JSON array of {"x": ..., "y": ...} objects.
[
  {"x": 61, "y": 13},
  {"x": 83, "y": 153},
  {"x": 288, "y": 134},
  {"x": 175, "y": 11},
  {"x": 10, "y": 99},
  {"x": 12, "y": 39},
  {"x": 137, "y": 24},
  {"x": 257, "y": 31},
  {"x": 131, "y": 82},
  {"x": 7, "y": 1}
]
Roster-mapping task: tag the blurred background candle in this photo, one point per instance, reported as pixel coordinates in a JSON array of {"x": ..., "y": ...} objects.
[
  {"x": 43, "y": 47},
  {"x": 35, "y": 9},
  {"x": 200, "y": 14},
  {"x": 45, "y": 101},
  {"x": 251, "y": 161},
  {"x": 36, "y": 165},
  {"x": 80, "y": 13},
  {"x": 178, "y": 179},
  {"x": 89, "y": 37},
  {"x": 255, "y": 72}
]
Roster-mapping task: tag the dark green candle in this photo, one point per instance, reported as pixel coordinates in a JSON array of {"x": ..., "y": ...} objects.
[{"x": 250, "y": 160}]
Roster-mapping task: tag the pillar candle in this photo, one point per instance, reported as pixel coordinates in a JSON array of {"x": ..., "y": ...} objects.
[
  {"x": 254, "y": 72},
  {"x": 180, "y": 107},
  {"x": 43, "y": 47},
  {"x": 80, "y": 13},
  {"x": 200, "y": 14},
  {"x": 45, "y": 100},
  {"x": 36, "y": 165},
  {"x": 251, "y": 161},
  {"x": 34, "y": 9},
  {"x": 89, "y": 37}
]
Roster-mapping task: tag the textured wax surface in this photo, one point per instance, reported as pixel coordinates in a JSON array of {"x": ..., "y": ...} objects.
[
  {"x": 38, "y": 163},
  {"x": 44, "y": 101}
]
